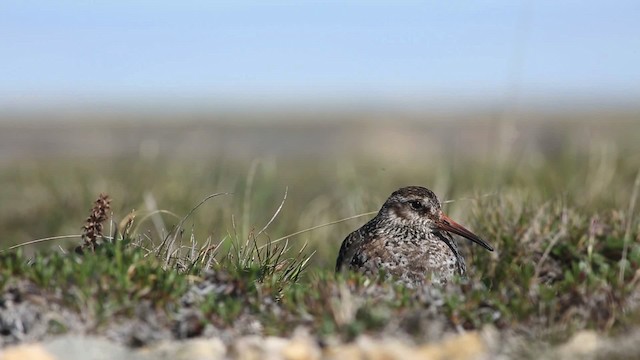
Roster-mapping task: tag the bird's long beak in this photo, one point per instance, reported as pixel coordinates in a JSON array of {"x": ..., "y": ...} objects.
[{"x": 449, "y": 225}]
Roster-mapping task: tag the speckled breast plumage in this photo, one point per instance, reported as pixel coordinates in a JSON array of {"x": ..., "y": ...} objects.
[{"x": 409, "y": 256}]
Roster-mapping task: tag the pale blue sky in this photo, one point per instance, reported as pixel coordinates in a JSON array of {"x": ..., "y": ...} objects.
[{"x": 80, "y": 53}]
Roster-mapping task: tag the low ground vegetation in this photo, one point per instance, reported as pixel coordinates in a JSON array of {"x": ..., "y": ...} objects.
[{"x": 256, "y": 256}]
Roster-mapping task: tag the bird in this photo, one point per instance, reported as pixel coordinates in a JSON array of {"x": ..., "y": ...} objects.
[{"x": 409, "y": 240}]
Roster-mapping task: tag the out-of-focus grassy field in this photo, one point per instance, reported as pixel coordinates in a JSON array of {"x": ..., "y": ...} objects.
[
  {"x": 332, "y": 170},
  {"x": 552, "y": 192}
]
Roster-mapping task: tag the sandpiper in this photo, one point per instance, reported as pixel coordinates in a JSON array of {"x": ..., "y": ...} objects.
[{"x": 408, "y": 240}]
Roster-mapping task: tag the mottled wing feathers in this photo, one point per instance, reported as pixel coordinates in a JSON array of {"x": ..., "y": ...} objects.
[{"x": 348, "y": 249}]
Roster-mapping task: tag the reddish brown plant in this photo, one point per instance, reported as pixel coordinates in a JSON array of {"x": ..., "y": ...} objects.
[{"x": 92, "y": 229}]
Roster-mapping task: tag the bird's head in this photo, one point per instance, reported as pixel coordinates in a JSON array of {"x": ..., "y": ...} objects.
[{"x": 419, "y": 206}]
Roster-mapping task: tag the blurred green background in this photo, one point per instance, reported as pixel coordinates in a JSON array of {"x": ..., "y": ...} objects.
[{"x": 331, "y": 170}]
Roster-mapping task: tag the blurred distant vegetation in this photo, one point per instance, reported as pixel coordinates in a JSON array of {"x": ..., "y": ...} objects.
[{"x": 333, "y": 168}]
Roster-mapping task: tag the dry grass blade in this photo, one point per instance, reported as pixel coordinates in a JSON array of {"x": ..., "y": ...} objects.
[
  {"x": 37, "y": 241},
  {"x": 175, "y": 229},
  {"x": 153, "y": 215},
  {"x": 284, "y": 198},
  {"x": 246, "y": 206},
  {"x": 469, "y": 198},
  {"x": 559, "y": 235},
  {"x": 318, "y": 227},
  {"x": 627, "y": 232}
]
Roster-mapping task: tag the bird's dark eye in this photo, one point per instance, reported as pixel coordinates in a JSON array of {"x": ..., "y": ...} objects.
[{"x": 416, "y": 205}]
